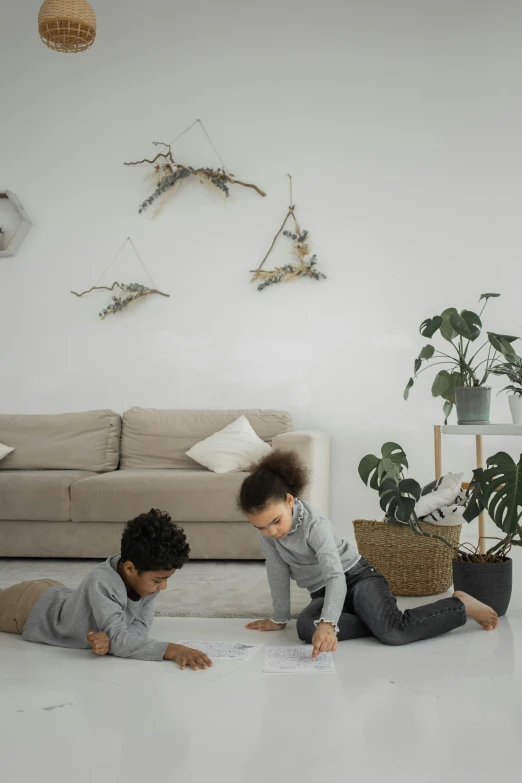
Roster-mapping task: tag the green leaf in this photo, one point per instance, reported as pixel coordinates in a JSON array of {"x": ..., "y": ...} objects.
[
  {"x": 488, "y": 296},
  {"x": 501, "y": 491},
  {"x": 502, "y": 343},
  {"x": 455, "y": 379},
  {"x": 417, "y": 365},
  {"x": 388, "y": 448},
  {"x": 388, "y": 469},
  {"x": 467, "y": 324},
  {"x": 372, "y": 468},
  {"x": 447, "y": 408},
  {"x": 395, "y": 453},
  {"x": 367, "y": 466},
  {"x": 427, "y": 352},
  {"x": 430, "y": 326},
  {"x": 474, "y": 505},
  {"x": 398, "y": 499},
  {"x": 406, "y": 393},
  {"x": 441, "y": 383},
  {"x": 446, "y": 329}
]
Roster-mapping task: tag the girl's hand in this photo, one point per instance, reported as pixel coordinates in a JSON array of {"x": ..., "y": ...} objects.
[
  {"x": 324, "y": 639},
  {"x": 99, "y": 642},
  {"x": 186, "y": 656},
  {"x": 265, "y": 625}
]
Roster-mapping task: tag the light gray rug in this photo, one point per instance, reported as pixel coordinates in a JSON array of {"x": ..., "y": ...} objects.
[{"x": 199, "y": 589}]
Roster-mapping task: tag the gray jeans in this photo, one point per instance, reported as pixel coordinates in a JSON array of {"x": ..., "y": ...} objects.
[{"x": 370, "y": 609}]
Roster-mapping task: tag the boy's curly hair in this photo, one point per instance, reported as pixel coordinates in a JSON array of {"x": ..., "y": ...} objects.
[{"x": 152, "y": 542}]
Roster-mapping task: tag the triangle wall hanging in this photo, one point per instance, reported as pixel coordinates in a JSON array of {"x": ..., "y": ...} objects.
[
  {"x": 168, "y": 174},
  {"x": 304, "y": 266}
]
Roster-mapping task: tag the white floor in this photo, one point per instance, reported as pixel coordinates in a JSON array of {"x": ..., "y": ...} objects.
[{"x": 449, "y": 709}]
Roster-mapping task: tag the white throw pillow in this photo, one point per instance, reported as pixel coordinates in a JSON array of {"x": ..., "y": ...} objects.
[
  {"x": 447, "y": 516},
  {"x": 5, "y": 450},
  {"x": 444, "y": 495},
  {"x": 235, "y": 447}
]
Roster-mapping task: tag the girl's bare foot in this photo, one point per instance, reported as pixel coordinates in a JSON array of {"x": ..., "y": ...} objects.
[{"x": 482, "y": 614}]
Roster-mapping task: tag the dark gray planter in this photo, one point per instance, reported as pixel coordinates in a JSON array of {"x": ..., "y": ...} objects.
[
  {"x": 490, "y": 583},
  {"x": 473, "y": 404}
]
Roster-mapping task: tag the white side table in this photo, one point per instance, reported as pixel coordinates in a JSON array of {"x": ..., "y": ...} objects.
[{"x": 478, "y": 430}]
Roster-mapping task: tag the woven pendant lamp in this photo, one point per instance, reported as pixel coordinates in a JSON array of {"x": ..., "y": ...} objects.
[{"x": 67, "y": 25}]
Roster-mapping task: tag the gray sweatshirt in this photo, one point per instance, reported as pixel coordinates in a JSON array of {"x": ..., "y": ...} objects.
[
  {"x": 63, "y": 616},
  {"x": 315, "y": 557}
]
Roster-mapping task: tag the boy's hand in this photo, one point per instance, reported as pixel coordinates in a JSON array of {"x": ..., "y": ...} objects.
[
  {"x": 99, "y": 642},
  {"x": 186, "y": 656},
  {"x": 324, "y": 639},
  {"x": 265, "y": 625}
]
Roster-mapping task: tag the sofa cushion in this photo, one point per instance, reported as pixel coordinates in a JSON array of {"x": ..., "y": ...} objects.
[
  {"x": 153, "y": 438},
  {"x": 235, "y": 447},
  {"x": 37, "y": 495},
  {"x": 64, "y": 441},
  {"x": 187, "y": 495}
]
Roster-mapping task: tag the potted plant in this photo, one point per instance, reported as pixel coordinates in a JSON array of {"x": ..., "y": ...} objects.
[
  {"x": 498, "y": 489},
  {"x": 512, "y": 369},
  {"x": 463, "y": 379}
]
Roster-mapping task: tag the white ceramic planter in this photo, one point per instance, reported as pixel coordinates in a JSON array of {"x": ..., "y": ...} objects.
[{"x": 515, "y": 403}]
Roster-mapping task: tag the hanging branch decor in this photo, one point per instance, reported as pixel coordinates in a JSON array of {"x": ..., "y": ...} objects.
[
  {"x": 129, "y": 292},
  {"x": 305, "y": 266},
  {"x": 167, "y": 174}
]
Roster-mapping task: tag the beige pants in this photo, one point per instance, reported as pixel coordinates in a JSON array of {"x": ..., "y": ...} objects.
[{"x": 16, "y": 603}]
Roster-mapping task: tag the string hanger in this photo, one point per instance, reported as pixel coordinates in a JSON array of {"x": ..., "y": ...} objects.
[
  {"x": 140, "y": 259},
  {"x": 196, "y": 122}
]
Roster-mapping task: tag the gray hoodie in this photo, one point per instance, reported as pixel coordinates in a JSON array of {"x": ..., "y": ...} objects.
[
  {"x": 63, "y": 616},
  {"x": 312, "y": 555}
]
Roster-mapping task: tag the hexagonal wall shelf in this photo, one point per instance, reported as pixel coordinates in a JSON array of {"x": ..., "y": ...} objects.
[{"x": 17, "y": 236}]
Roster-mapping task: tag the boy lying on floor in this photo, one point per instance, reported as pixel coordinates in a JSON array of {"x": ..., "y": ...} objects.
[{"x": 113, "y": 608}]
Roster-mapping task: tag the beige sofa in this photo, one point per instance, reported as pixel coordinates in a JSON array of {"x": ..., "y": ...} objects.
[{"x": 74, "y": 479}]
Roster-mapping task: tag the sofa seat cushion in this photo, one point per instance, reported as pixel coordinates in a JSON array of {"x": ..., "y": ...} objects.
[
  {"x": 187, "y": 495},
  {"x": 37, "y": 495}
]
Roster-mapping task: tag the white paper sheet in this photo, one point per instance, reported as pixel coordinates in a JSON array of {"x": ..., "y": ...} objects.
[
  {"x": 225, "y": 651},
  {"x": 296, "y": 659}
]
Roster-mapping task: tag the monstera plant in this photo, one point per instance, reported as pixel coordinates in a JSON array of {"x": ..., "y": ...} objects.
[
  {"x": 466, "y": 361},
  {"x": 398, "y": 495},
  {"x": 497, "y": 490}
]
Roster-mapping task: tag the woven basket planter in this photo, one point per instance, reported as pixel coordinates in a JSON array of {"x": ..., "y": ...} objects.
[
  {"x": 67, "y": 25},
  {"x": 413, "y": 565}
]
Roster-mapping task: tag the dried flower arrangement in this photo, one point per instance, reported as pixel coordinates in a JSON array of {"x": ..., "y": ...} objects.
[
  {"x": 307, "y": 262},
  {"x": 167, "y": 175},
  {"x": 130, "y": 293}
]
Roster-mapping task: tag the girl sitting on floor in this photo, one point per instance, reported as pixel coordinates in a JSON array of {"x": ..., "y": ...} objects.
[{"x": 350, "y": 598}]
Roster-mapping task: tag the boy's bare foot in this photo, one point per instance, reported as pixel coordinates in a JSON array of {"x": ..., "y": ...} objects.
[{"x": 484, "y": 615}]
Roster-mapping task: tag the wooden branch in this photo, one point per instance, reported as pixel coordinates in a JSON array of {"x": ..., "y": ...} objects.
[
  {"x": 106, "y": 288},
  {"x": 220, "y": 175},
  {"x": 97, "y": 288},
  {"x": 205, "y": 171},
  {"x": 290, "y": 212},
  {"x": 246, "y": 185},
  {"x": 167, "y": 155}
]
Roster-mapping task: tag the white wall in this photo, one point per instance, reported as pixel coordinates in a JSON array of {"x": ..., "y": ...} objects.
[{"x": 401, "y": 124}]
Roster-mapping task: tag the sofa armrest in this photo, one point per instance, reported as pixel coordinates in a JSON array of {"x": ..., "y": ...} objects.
[{"x": 314, "y": 449}]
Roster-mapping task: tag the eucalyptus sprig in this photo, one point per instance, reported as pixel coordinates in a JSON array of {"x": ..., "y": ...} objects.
[{"x": 466, "y": 367}]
